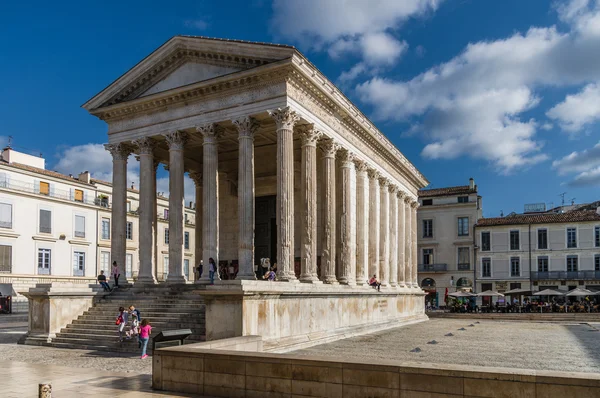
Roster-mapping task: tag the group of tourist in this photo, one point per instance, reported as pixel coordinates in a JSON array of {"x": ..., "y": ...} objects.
[{"x": 140, "y": 329}]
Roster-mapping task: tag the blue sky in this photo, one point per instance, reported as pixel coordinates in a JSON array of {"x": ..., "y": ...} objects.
[{"x": 507, "y": 92}]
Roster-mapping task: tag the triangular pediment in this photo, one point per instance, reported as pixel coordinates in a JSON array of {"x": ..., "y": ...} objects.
[
  {"x": 189, "y": 73},
  {"x": 185, "y": 60}
]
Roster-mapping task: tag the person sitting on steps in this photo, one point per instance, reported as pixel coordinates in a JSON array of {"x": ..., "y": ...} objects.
[
  {"x": 102, "y": 281},
  {"x": 375, "y": 283}
]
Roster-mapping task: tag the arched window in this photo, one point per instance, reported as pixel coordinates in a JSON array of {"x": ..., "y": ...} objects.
[
  {"x": 428, "y": 282},
  {"x": 464, "y": 282}
]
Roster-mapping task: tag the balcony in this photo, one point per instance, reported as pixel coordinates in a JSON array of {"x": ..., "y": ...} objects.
[
  {"x": 432, "y": 267},
  {"x": 22, "y": 186},
  {"x": 565, "y": 275}
]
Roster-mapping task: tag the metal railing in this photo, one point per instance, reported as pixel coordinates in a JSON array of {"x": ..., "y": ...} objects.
[
  {"x": 566, "y": 275},
  {"x": 28, "y": 187},
  {"x": 432, "y": 267},
  {"x": 464, "y": 267}
]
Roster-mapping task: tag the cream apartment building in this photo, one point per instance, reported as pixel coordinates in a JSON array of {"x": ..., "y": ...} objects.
[
  {"x": 539, "y": 251},
  {"x": 56, "y": 227},
  {"x": 446, "y": 219}
]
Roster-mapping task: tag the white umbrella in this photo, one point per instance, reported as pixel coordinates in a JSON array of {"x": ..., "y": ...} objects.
[
  {"x": 548, "y": 292},
  {"x": 580, "y": 292},
  {"x": 461, "y": 294},
  {"x": 518, "y": 291},
  {"x": 490, "y": 293}
]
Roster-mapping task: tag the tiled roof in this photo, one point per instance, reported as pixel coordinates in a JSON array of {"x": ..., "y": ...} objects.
[
  {"x": 519, "y": 219},
  {"x": 449, "y": 191},
  {"x": 48, "y": 173}
]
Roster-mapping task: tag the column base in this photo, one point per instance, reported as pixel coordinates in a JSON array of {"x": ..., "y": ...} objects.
[
  {"x": 330, "y": 281},
  {"x": 145, "y": 280},
  {"x": 309, "y": 279},
  {"x": 245, "y": 277},
  {"x": 176, "y": 279}
]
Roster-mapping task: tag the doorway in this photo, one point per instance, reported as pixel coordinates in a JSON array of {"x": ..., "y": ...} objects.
[{"x": 265, "y": 228}]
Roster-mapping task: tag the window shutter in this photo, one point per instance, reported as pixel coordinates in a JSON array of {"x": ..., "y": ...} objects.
[
  {"x": 84, "y": 196},
  {"x": 36, "y": 186},
  {"x": 51, "y": 189},
  {"x": 71, "y": 194},
  {"x": 80, "y": 226},
  {"x": 45, "y": 221},
  {"x": 5, "y": 215}
]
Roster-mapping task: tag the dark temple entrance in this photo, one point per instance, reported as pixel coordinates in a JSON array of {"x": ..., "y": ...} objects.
[{"x": 265, "y": 229}]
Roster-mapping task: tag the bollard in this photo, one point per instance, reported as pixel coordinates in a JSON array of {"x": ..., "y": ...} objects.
[{"x": 45, "y": 390}]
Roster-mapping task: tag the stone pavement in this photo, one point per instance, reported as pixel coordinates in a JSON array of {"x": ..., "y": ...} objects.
[{"x": 20, "y": 380}]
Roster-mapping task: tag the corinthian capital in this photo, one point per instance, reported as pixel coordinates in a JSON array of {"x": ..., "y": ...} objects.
[
  {"x": 209, "y": 132},
  {"x": 146, "y": 145},
  {"x": 285, "y": 118},
  {"x": 246, "y": 126},
  {"x": 401, "y": 194},
  {"x": 407, "y": 199},
  {"x": 346, "y": 156},
  {"x": 120, "y": 151},
  {"x": 196, "y": 177},
  {"x": 176, "y": 139},
  {"x": 414, "y": 203},
  {"x": 383, "y": 182},
  {"x": 373, "y": 174},
  {"x": 361, "y": 166},
  {"x": 393, "y": 189},
  {"x": 329, "y": 147},
  {"x": 309, "y": 134}
]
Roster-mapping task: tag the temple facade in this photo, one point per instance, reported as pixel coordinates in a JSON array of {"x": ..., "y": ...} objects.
[{"x": 285, "y": 166}]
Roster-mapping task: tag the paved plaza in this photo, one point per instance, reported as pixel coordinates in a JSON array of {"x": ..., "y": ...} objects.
[{"x": 567, "y": 347}]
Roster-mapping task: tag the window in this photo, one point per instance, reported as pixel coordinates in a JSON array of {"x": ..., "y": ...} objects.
[
  {"x": 542, "y": 239},
  {"x": 186, "y": 268},
  {"x": 427, "y": 256},
  {"x": 79, "y": 226},
  {"x": 463, "y": 226},
  {"x": 165, "y": 267},
  {"x": 106, "y": 228},
  {"x": 166, "y": 214},
  {"x": 185, "y": 218},
  {"x": 44, "y": 188},
  {"x": 427, "y": 202},
  {"x": 128, "y": 265},
  {"x": 5, "y": 215},
  {"x": 166, "y": 236},
  {"x": 463, "y": 259},
  {"x": 78, "y": 263},
  {"x": 78, "y": 195},
  {"x": 129, "y": 232},
  {"x": 44, "y": 261},
  {"x": 5, "y": 259},
  {"x": 597, "y": 236},
  {"x": 463, "y": 199},
  {"x": 515, "y": 266},
  {"x": 486, "y": 267},
  {"x": 486, "y": 242},
  {"x": 515, "y": 243},
  {"x": 428, "y": 228},
  {"x": 571, "y": 263},
  {"x": 128, "y": 206},
  {"x": 543, "y": 264},
  {"x": 45, "y": 221},
  {"x": 105, "y": 262},
  {"x": 186, "y": 240},
  {"x": 596, "y": 262},
  {"x": 571, "y": 237}
]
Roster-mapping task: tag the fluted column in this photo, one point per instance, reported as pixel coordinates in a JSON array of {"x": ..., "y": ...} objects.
[
  {"x": 347, "y": 219},
  {"x": 384, "y": 228},
  {"x": 155, "y": 164},
  {"x": 176, "y": 141},
  {"x": 210, "y": 200},
  {"x": 146, "y": 210},
  {"x": 414, "y": 255},
  {"x": 329, "y": 148},
  {"x": 400, "y": 243},
  {"x": 246, "y": 126},
  {"x": 120, "y": 152},
  {"x": 393, "y": 236},
  {"x": 407, "y": 242},
  {"x": 308, "y": 248},
  {"x": 285, "y": 118},
  {"x": 197, "y": 178},
  {"x": 374, "y": 218},
  {"x": 362, "y": 222}
]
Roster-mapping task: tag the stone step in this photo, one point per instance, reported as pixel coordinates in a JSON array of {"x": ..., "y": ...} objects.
[
  {"x": 125, "y": 348},
  {"x": 92, "y": 343},
  {"x": 196, "y": 329},
  {"x": 146, "y": 313},
  {"x": 181, "y": 324},
  {"x": 154, "y": 300},
  {"x": 109, "y": 318}
]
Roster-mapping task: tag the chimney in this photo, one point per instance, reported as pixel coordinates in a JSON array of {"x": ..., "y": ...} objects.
[
  {"x": 85, "y": 177},
  {"x": 471, "y": 183},
  {"x": 191, "y": 203}
]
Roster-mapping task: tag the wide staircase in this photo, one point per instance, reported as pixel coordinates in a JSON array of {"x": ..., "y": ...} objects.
[{"x": 165, "y": 308}]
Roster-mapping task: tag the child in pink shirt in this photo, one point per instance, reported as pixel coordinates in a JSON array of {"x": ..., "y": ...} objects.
[{"x": 144, "y": 336}]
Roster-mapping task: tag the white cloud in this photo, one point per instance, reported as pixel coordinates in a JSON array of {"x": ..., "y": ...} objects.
[
  {"x": 578, "y": 110},
  {"x": 473, "y": 104},
  {"x": 198, "y": 24},
  {"x": 585, "y": 164},
  {"x": 98, "y": 161},
  {"x": 349, "y": 26}
]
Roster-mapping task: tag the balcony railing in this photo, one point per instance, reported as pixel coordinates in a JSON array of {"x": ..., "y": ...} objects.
[
  {"x": 432, "y": 267},
  {"x": 464, "y": 267},
  {"x": 565, "y": 275},
  {"x": 28, "y": 187}
]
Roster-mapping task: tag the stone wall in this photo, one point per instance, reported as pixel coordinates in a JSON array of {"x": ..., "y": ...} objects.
[
  {"x": 218, "y": 373},
  {"x": 14, "y": 285}
]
